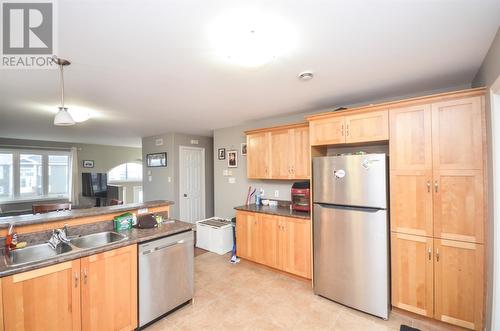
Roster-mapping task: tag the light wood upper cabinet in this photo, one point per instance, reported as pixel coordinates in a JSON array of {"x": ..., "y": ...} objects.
[
  {"x": 364, "y": 127},
  {"x": 283, "y": 153},
  {"x": 457, "y": 134},
  {"x": 411, "y": 202},
  {"x": 459, "y": 282},
  {"x": 327, "y": 131},
  {"x": 411, "y": 138},
  {"x": 343, "y": 128},
  {"x": 295, "y": 242},
  {"x": 300, "y": 159},
  {"x": 459, "y": 205},
  {"x": 412, "y": 273},
  {"x": 43, "y": 299},
  {"x": 109, "y": 290},
  {"x": 258, "y": 153}
]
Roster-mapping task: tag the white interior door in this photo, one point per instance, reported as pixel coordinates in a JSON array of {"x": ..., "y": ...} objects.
[{"x": 192, "y": 183}]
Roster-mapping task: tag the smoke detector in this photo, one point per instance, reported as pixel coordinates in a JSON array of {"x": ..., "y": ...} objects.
[{"x": 306, "y": 75}]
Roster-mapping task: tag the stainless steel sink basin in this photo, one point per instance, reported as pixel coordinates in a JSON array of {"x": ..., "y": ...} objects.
[
  {"x": 36, "y": 253},
  {"x": 97, "y": 239}
]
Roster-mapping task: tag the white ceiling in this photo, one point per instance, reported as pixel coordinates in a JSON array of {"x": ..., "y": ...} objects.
[{"x": 148, "y": 67}]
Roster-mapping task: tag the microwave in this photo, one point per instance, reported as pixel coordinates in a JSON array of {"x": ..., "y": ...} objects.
[{"x": 301, "y": 196}]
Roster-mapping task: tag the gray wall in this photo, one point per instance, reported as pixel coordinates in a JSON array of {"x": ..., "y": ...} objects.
[
  {"x": 105, "y": 157},
  {"x": 229, "y": 195},
  {"x": 487, "y": 74},
  {"x": 164, "y": 182},
  {"x": 490, "y": 68}
]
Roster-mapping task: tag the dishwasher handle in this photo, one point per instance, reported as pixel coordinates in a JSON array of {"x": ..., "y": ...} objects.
[{"x": 158, "y": 248}]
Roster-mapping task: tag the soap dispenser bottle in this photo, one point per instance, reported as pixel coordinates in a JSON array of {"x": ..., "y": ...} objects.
[{"x": 11, "y": 239}]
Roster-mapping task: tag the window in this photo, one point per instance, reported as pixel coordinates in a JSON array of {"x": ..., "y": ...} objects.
[
  {"x": 30, "y": 175},
  {"x": 6, "y": 190},
  {"x": 131, "y": 172},
  {"x": 34, "y": 175},
  {"x": 58, "y": 174}
]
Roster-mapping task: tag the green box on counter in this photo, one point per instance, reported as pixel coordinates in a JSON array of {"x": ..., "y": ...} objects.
[{"x": 123, "y": 221}]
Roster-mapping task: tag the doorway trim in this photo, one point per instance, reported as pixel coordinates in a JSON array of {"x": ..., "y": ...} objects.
[
  {"x": 495, "y": 150},
  {"x": 203, "y": 179}
]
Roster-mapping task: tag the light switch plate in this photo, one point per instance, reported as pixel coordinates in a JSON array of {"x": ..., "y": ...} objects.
[
  {"x": 195, "y": 141},
  {"x": 150, "y": 178},
  {"x": 231, "y": 180},
  {"x": 276, "y": 193},
  {"x": 159, "y": 142},
  {"x": 225, "y": 172},
  {"x": 169, "y": 179}
]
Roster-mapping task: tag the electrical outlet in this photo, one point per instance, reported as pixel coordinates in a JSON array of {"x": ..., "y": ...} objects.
[
  {"x": 231, "y": 180},
  {"x": 276, "y": 193},
  {"x": 262, "y": 192},
  {"x": 225, "y": 172}
]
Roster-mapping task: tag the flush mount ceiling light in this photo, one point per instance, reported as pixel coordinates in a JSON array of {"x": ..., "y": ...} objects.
[
  {"x": 250, "y": 38},
  {"x": 305, "y": 76},
  {"x": 62, "y": 118}
]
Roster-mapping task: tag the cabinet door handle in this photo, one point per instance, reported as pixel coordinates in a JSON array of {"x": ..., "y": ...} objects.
[
  {"x": 85, "y": 276},
  {"x": 428, "y": 187},
  {"x": 342, "y": 130},
  {"x": 437, "y": 254},
  {"x": 347, "y": 129},
  {"x": 76, "y": 279},
  {"x": 436, "y": 186},
  {"x": 429, "y": 253}
]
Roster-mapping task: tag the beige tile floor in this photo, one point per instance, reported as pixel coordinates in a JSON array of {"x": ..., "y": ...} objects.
[{"x": 246, "y": 296}]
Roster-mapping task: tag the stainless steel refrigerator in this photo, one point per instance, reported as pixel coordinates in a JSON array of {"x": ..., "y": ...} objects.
[{"x": 351, "y": 245}]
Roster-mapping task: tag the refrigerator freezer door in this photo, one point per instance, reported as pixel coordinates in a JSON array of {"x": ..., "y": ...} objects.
[
  {"x": 351, "y": 180},
  {"x": 351, "y": 257}
]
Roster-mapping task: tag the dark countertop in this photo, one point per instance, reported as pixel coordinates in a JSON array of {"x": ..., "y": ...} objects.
[
  {"x": 278, "y": 210},
  {"x": 135, "y": 236},
  {"x": 78, "y": 213}
]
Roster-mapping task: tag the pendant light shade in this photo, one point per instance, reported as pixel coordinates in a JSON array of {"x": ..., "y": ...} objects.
[{"x": 63, "y": 118}]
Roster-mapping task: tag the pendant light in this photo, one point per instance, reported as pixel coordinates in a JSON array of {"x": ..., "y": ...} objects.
[{"x": 62, "y": 118}]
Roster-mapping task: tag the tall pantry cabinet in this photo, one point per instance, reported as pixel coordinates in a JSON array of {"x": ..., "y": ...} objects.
[{"x": 437, "y": 171}]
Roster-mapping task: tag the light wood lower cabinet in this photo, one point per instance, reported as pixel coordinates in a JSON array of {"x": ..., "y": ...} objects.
[
  {"x": 437, "y": 278},
  {"x": 43, "y": 299},
  {"x": 412, "y": 273},
  {"x": 295, "y": 240},
  {"x": 458, "y": 283},
  {"x": 98, "y": 292},
  {"x": 279, "y": 242},
  {"x": 109, "y": 290}
]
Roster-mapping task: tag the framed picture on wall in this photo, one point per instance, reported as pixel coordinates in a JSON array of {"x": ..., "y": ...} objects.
[
  {"x": 221, "y": 153},
  {"x": 243, "y": 149},
  {"x": 157, "y": 159},
  {"x": 88, "y": 163},
  {"x": 232, "y": 159}
]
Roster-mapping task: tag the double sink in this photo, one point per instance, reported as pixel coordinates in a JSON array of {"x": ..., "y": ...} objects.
[{"x": 44, "y": 251}]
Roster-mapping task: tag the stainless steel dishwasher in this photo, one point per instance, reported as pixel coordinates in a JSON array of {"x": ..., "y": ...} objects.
[{"x": 166, "y": 274}]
